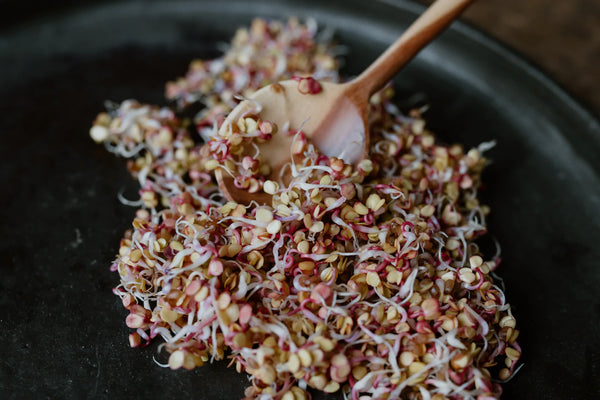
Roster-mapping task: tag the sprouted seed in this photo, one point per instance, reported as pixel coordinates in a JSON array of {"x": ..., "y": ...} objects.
[{"x": 362, "y": 279}]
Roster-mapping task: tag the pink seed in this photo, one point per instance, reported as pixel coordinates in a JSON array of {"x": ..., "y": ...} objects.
[
  {"x": 322, "y": 292},
  {"x": 193, "y": 288},
  {"x": 134, "y": 321},
  {"x": 245, "y": 314},
  {"x": 215, "y": 267}
]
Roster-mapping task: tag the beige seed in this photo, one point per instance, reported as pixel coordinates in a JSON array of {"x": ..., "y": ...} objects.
[
  {"x": 317, "y": 227},
  {"x": 264, "y": 215},
  {"x": 223, "y": 301},
  {"x": 427, "y": 211},
  {"x": 466, "y": 275},
  {"x": 475, "y": 261},
  {"x": 270, "y": 187},
  {"x": 331, "y": 387},
  {"x": 283, "y": 210},
  {"x": 452, "y": 244},
  {"x": 274, "y": 227},
  {"x": 366, "y": 165},
  {"x": 304, "y": 247},
  {"x": 99, "y": 133},
  {"x": 407, "y": 358},
  {"x": 299, "y": 394},
  {"x": 288, "y": 396},
  {"x": 394, "y": 277},
  {"x": 508, "y": 321},
  {"x": 318, "y": 381},
  {"x": 416, "y": 367},
  {"x": 512, "y": 353},
  {"x": 202, "y": 294},
  {"x": 267, "y": 374},
  {"x": 176, "y": 359}
]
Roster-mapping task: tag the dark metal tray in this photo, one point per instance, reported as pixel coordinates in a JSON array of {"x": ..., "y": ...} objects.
[{"x": 62, "y": 331}]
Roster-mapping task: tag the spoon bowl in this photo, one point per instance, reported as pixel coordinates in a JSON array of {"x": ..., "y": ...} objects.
[{"x": 333, "y": 116}]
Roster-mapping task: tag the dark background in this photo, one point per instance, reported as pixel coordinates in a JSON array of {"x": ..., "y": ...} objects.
[
  {"x": 62, "y": 334},
  {"x": 562, "y": 37}
]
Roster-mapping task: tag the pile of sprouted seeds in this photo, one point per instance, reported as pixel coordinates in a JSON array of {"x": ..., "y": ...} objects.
[{"x": 362, "y": 279}]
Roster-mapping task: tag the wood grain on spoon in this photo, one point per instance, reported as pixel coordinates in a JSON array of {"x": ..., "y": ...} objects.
[{"x": 335, "y": 119}]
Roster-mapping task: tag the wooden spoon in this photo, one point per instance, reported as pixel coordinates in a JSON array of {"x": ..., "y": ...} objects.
[{"x": 335, "y": 119}]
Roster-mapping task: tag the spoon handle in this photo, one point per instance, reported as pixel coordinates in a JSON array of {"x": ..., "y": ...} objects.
[{"x": 431, "y": 23}]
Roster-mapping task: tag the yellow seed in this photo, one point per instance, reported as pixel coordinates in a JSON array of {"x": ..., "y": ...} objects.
[
  {"x": 359, "y": 372},
  {"x": 327, "y": 274},
  {"x": 374, "y": 202},
  {"x": 299, "y": 394},
  {"x": 306, "y": 266},
  {"x": 135, "y": 255},
  {"x": 512, "y": 353},
  {"x": 211, "y": 165},
  {"x": 331, "y": 387},
  {"x": 288, "y": 396},
  {"x": 361, "y": 209},
  {"x": 233, "y": 249},
  {"x": 251, "y": 125},
  {"x": 460, "y": 361},
  {"x": 305, "y": 357},
  {"x": 452, "y": 244},
  {"x": 239, "y": 211},
  {"x": 241, "y": 340},
  {"x": 325, "y": 180},
  {"x": 373, "y": 279},
  {"x": 415, "y": 368},
  {"x": 366, "y": 165},
  {"x": 294, "y": 363},
  {"x": 324, "y": 343},
  {"x": 448, "y": 323},
  {"x": 168, "y": 315},
  {"x": 175, "y": 245}
]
